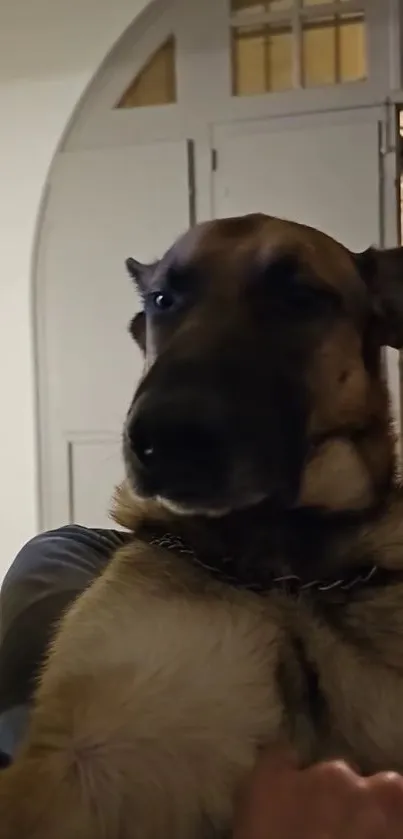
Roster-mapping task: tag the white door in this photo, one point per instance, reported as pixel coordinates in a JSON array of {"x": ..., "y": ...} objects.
[
  {"x": 103, "y": 206},
  {"x": 323, "y": 170}
]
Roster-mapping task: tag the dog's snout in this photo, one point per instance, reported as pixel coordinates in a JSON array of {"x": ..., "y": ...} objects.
[
  {"x": 141, "y": 441},
  {"x": 160, "y": 437},
  {"x": 176, "y": 442}
]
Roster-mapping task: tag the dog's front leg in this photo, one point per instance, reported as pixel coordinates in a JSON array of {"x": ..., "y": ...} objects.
[
  {"x": 149, "y": 713},
  {"x": 41, "y": 798}
]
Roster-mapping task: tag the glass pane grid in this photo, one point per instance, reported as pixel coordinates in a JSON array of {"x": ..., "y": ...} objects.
[{"x": 332, "y": 48}]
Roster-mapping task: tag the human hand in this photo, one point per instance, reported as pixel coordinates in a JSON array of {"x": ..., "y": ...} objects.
[{"x": 326, "y": 801}]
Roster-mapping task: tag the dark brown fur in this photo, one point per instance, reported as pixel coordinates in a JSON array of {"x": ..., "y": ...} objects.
[{"x": 164, "y": 680}]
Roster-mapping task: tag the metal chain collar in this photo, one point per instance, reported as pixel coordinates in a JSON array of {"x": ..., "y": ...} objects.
[{"x": 286, "y": 582}]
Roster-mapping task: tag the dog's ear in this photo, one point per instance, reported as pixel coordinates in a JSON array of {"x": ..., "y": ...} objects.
[
  {"x": 141, "y": 273},
  {"x": 382, "y": 272},
  {"x": 137, "y": 329}
]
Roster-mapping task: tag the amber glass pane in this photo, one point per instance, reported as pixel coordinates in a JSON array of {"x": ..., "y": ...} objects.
[
  {"x": 249, "y": 61},
  {"x": 352, "y": 46},
  {"x": 262, "y": 60},
  {"x": 319, "y": 53},
  {"x": 156, "y": 82},
  {"x": 279, "y": 59}
]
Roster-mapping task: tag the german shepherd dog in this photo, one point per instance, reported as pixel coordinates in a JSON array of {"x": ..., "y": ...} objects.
[{"x": 260, "y": 599}]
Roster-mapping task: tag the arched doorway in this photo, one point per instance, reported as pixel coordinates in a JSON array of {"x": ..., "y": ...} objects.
[{"x": 203, "y": 111}]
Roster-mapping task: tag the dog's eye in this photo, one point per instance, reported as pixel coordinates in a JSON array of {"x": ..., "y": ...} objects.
[{"x": 162, "y": 301}]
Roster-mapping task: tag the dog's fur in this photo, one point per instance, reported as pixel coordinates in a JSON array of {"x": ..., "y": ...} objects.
[{"x": 164, "y": 679}]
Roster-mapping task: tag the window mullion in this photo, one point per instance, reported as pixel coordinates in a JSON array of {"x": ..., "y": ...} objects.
[
  {"x": 267, "y": 73},
  {"x": 298, "y": 47}
]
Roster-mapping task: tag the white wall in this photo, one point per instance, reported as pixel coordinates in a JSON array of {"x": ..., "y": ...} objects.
[{"x": 49, "y": 51}]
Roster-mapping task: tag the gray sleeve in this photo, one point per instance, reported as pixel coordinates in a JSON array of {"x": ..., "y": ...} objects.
[
  {"x": 68, "y": 559},
  {"x": 45, "y": 578}
]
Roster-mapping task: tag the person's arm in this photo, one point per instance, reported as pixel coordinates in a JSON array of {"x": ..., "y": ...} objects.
[
  {"x": 330, "y": 800},
  {"x": 44, "y": 579}
]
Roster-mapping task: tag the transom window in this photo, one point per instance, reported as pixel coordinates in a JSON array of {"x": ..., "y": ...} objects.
[
  {"x": 155, "y": 84},
  {"x": 278, "y": 45}
]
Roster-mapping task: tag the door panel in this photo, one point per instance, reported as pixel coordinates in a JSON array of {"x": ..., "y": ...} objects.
[
  {"x": 322, "y": 174},
  {"x": 324, "y": 171},
  {"x": 95, "y": 468},
  {"x": 104, "y": 205}
]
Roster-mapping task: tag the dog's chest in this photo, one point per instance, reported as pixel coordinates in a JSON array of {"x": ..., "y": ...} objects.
[
  {"x": 340, "y": 684},
  {"x": 234, "y": 674},
  {"x": 244, "y": 678},
  {"x": 188, "y": 682},
  {"x": 195, "y": 684}
]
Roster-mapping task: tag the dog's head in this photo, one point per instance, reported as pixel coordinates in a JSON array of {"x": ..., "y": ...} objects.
[{"x": 263, "y": 376}]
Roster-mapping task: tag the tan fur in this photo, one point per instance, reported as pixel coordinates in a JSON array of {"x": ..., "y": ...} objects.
[
  {"x": 154, "y": 692},
  {"x": 336, "y": 476},
  {"x": 162, "y": 685},
  {"x": 339, "y": 382}
]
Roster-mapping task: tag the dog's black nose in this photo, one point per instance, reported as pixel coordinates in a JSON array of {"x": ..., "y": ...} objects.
[
  {"x": 177, "y": 443},
  {"x": 170, "y": 440}
]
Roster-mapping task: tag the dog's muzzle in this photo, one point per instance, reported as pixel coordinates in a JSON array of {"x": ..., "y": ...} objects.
[{"x": 176, "y": 446}]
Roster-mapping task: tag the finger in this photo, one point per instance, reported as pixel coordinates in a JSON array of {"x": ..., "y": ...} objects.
[
  {"x": 380, "y": 815},
  {"x": 333, "y": 796},
  {"x": 335, "y": 776},
  {"x": 273, "y": 767},
  {"x": 276, "y": 758},
  {"x": 367, "y": 823},
  {"x": 385, "y": 795},
  {"x": 264, "y": 798}
]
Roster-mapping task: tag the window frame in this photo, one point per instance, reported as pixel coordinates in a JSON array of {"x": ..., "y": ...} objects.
[
  {"x": 138, "y": 77},
  {"x": 206, "y": 98},
  {"x": 295, "y": 17}
]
